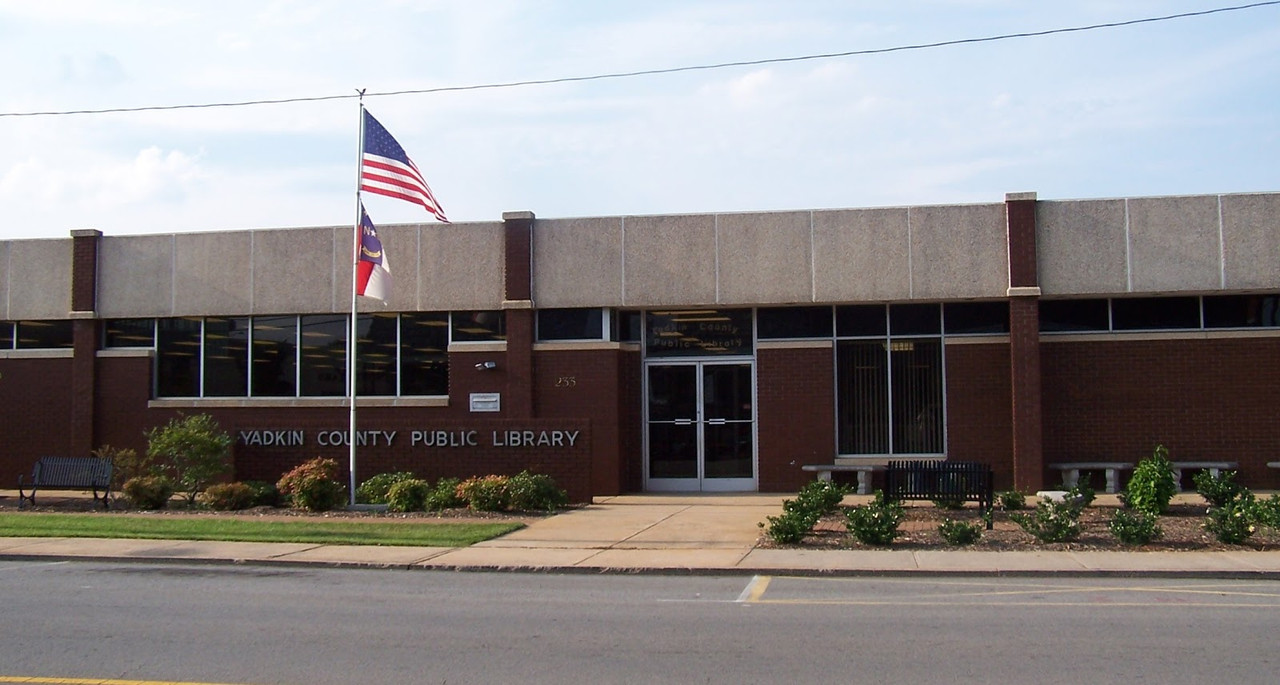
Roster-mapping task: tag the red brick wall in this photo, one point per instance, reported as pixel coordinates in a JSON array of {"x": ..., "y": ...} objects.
[
  {"x": 1216, "y": 400},
  {"x": 979, "y": 408},
  {"x": 35, "y": 413},
  {"x": 795, "y": 389}
]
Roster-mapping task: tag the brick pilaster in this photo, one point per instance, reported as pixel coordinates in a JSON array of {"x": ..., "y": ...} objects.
[
  {"x": 1024, "y": 342},
  {"x": 518, "y": 306},
  {"x": 85, "y": 333}
]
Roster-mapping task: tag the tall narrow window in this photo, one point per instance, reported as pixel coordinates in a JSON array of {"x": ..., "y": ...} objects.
[
  {"x": 862, "y": 370},
  {"x": 226, "y": 357},
  {"x": 376, "y": 351},
  {"x": 275, "y": 356},
  {"x": 178, "y": 357},
  {"x": 424, "y": 353},
  {"x": 323, "y": 368}
]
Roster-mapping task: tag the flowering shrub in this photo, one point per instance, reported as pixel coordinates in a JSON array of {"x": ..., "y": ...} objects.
[
  {"x": 313, "y": 485},
  {"x": 875, "y": 523},
  {"x": 1267, "y": 511},
  {"x": 1052, "y": 521},
  {"x": 535, "y": 492},
  {"x": 148, "y": 492},
  {"x": 374, "y": 490},
  {"x": 408, "y": 495},
  {"x": 444, "y": 496},
  {"x": 1217, "y": 490},
  {"x": 819, "y": 496},
  {"x": 1012, "y": 500},
  {"x": 1134, "y": 527},
  {"x": 959, "y": 532},
  {"x": 1235, "y": 521},
  {"x": 227, "y": 496},
  {"x": 486, "y": 493},
  {"x": 1082, "y": 491},
  {"x": 790, "y": 527}
]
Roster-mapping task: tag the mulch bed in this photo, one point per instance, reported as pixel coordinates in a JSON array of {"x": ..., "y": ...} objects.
[{"x": 1183, "y": 529}]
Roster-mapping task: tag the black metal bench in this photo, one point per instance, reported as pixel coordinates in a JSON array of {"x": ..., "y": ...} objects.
[
  {"x": 68, "y": 473},
  {"x": 964, "y": 481}
]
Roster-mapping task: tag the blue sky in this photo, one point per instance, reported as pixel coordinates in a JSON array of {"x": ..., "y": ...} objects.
[{"x": 1176, "y": 107}]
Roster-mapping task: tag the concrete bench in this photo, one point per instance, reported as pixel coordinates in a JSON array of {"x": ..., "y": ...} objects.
[
  {"x": 1071, "y": 472},
  {"x": 1213, "y": 467},
  {"x": 864, "y": 472}
]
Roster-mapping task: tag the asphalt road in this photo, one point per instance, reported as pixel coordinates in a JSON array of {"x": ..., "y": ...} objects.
[{"x": 251, "y": 624}]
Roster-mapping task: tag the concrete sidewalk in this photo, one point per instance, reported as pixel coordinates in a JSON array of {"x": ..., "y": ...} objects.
[{"x": 658, "y": 534}]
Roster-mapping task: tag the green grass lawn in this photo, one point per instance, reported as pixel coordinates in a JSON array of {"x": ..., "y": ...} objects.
[{"x": 303, "y": 530}]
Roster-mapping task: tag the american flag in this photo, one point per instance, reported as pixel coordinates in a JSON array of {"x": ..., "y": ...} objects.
[{"x": 385, "y": 169}]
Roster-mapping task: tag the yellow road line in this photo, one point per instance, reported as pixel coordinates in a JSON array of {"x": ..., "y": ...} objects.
[
  {"x": 755, "y": 589},
  {"x": 94, "y": 681}
]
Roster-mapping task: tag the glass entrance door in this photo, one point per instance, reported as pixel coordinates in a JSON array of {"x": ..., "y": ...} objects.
[{"x": 701, "y": 427}]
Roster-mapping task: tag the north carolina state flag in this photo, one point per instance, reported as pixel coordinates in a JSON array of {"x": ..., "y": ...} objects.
[{"x": 373, "y": 273}]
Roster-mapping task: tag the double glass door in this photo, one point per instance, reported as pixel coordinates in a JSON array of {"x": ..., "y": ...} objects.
[{"x": 700, "y": 427}]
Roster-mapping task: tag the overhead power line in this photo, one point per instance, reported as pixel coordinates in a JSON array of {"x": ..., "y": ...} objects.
[{"x": 658, "y": 72}]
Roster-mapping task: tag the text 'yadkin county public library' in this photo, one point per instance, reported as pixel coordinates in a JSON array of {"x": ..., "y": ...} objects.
[{"x": 713, "y": 352}]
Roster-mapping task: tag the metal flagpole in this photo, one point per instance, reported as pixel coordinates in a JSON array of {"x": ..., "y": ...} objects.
[{"x": 351, "y": 335}]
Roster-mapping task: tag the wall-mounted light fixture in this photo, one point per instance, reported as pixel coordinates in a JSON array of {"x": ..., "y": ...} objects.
[{"x": 485, "y": 366}]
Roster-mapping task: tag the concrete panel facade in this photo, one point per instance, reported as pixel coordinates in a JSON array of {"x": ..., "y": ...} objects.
[
  {"x": 1174, "y": 244},
  {"x": 1251, "y": 241},
  {"x": 5, "y": 272},
  {"x": 577, "y": 262},
  {"x": 460, "y": 266},
  {"x": 216, "y": 273},
  {"x": 39, "y": 276},
  {"x": 135, "y": 276},
  {"x": 1082, "y": 247},
  {"x": 959, "y": 251},
  {"x": 293, "y": 270},
  {"x": 765, "y": 258},
  {"x": 670, "y": 260},
  {"x": 861, "y": 255}
]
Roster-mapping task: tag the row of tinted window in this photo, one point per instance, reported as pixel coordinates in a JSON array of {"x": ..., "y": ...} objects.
[
  {"x": 35, "y": 335},
  {"x": 1160, "y": 313},
  {"x": 878, "y": 320}
]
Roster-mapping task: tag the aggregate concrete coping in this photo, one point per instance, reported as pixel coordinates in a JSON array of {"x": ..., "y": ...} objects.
[{"x": 670, "y": 534}]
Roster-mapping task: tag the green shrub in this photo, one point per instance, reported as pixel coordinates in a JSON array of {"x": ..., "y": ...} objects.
[
  {"x": 264, "y": 494},
  {"x": 1152, "y": 484},
  {"x": 126, "y": 464},
  {"x": 959, "y": 532},
  {"x": 1012, "y": 500},
  {"x": 313, "y": 485},
  {"x": 408, "y": 495},
  {"x": 148, "y": 492},
  {"x": 1267, "y": 511},
  {"x": 486, "y": 493},
  {"x": 194, "y": 449},
  {"x": 374, "y": 490},
  {"x": 1082, "y": 492},
  {"x": 227, "y": 497},
  {"x": 1235, "y": 521},
  {"x": 1217, "y": 490},
  {"x": 535, "y": 492},
  {"x": 875, "y": 523},
  {"x": 1133, "y": 527},
  {"x": 1052, "y": 521},
  {"x": 444, "y": 496},
  {"x": 820, "y": 496},
  {"x": 790, "y": 527}
]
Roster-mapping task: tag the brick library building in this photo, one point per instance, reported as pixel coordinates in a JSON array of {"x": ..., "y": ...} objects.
[{"x": 681, "y": 353}]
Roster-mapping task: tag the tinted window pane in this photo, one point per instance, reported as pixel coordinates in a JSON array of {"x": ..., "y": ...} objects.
[
  {"x": 862, "y": 396},
  {"x": 129, "y": 333},
  {"x": 226, "y": 357},
  {"x": 44, "y": 335},
  {"x": 1241, "y": 311},
  {"x": 571, "y": 324},
  {"x": 966, "y": 318},
  {"x": 862, "y": 319},
  {"x": 376, "y": 345},
  {"x": 628, "y": 326},
  {"x": 424, "y": 357},
  {"x": 793, "y": 322},
  {"x": 699, "y": 332},
  {"x": 275, "y": 356},
  {"x": 478, "y": 326},
  {"x": 917, "y": 396},
  {"x": 1073, "y": 315},
  {"x": 6, "y": 335},
  {"x": 178, "y": 357},
  {"x": 323, "y": 367},
  {"x": 1149, "y": 313},
  {"x": 914, "y": 319}
]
